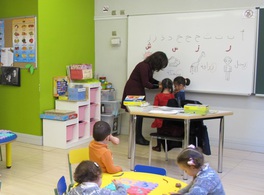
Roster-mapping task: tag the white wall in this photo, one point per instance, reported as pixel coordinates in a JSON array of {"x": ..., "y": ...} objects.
[{"x": 244, "y": 130}]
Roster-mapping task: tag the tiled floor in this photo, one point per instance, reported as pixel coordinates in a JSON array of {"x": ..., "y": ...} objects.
[{"x": 36, "y": 169}]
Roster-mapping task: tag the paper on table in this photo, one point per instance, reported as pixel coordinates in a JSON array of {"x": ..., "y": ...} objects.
[
  {"x": 169, "y": 108},
  {"x": 157, "y": 111}
]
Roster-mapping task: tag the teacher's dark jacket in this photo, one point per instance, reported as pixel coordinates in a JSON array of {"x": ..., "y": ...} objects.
[{"x": 140, "y": 78}]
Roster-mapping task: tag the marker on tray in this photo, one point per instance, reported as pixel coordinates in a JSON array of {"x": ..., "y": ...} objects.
[
  {"x": 165, "y": 180},
  {"x": 119, "y": 175}
]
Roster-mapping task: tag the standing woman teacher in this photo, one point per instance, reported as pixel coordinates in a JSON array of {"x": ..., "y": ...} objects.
[{"x": 141, "y": 78}]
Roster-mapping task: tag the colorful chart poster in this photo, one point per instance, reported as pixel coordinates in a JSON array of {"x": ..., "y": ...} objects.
[
  {"x": 24, "y": 39},
  {"x": 2, "y": 33}
]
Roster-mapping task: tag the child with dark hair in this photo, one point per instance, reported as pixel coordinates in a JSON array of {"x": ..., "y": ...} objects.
[
  {"x": 205, "y": 180},
  {"x": 179, "y": 85},
  {"x": 88, "y": 175},
  {"x": 161, "y": 99},
  {"x": 98, "y": 148}
]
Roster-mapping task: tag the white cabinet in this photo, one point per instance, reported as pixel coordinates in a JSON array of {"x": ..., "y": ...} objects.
[{"x": 66, "y": 134}]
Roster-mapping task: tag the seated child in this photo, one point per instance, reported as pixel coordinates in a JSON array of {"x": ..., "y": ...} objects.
[
  {"x": 98, "y": 148},
  {"x": 179, "y": 85},
  {"x": 205, "y": 180},
  {"x": 88, "y": 175},
  {"x": 161, "y": 99}
]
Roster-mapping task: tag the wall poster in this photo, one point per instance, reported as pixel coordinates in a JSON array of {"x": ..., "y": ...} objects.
[
  {"x": 24, "y": 39},
  {"x": 2, "y": 32}
]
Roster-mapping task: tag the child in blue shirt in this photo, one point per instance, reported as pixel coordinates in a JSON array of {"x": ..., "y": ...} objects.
[
  {"x": 179, "y": 85},
  {"x": 205, "y": 180}
]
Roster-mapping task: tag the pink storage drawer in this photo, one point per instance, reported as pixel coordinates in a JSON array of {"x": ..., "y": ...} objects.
[
  {"x": 92, "y": 110},
  {"x": 82, "y": 110},
  {"x": 93, "y": 92},
  {"x": 82, "y": 126},
  {"x": 91, "y": 126},
  {"x": 69, "y": 132}
]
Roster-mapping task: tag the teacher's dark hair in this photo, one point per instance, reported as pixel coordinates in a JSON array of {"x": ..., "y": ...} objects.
[{"x": 157, "y": 60}]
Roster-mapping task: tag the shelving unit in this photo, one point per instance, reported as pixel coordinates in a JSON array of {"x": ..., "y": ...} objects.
[{"x": 66, "y": 134}]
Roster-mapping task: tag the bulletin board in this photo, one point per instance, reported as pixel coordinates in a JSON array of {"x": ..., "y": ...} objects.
[
  {"x": 20, "y": 34},
  {"x": 216, "y": 50}
]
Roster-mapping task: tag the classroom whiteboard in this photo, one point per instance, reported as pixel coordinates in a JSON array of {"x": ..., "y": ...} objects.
[{"x": 215, "y": 49}]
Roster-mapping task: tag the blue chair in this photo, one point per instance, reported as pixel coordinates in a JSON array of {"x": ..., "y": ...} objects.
[
  {"x": 150, "y": 169},
  {"x": 61, "y": 187}
]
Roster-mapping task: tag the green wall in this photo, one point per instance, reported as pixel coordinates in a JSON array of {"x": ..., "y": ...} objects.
[{"x": 65, "y": 36}]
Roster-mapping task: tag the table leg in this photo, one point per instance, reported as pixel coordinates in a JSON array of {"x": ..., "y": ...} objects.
[
  {"x": 133, "y": 142},
  {"x": 186, "y": 140},
  {"x": 221, "y": 146},
  {"x": 8, "y": 155},
  {"x": 130, "y": 135}
]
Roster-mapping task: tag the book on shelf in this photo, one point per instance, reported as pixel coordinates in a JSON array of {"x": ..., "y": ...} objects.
[
  {"x": 134, "y": 100},
  {"x": 59, "y": 112},
  {"x": 58, "y": 117}
]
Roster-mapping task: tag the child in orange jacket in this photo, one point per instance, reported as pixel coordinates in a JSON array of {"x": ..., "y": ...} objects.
[{"x": 98, "y": 148}]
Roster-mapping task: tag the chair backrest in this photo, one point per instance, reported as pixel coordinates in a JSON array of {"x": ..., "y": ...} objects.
[
  {"x": 61, "y": 187},
  {"x": 76, "y": 156},
  {"x": 173, "y": 103},
  {"x": 150, "y": 169}
]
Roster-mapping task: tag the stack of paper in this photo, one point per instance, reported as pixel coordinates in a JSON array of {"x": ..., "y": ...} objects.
[{"x": 158, "y": 111}]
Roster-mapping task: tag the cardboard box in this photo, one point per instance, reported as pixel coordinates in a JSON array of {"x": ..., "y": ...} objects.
[
  {"x": 58, "y": 117},
  {"x": 134, "y": 100},
  {"x": 77, "y": 94},
  {"x": 81, "y": 74},
  {"x": 81, "y": 71},
  {"x": 196, "y": 109}
]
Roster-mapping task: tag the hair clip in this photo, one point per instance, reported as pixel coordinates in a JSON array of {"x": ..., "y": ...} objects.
[
  {"x": 96, "y": 164},
  {"x": 191, "y": 146},
  {"x": 190, "y": 162}
]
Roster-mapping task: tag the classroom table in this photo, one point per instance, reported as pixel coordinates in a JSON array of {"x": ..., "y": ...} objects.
[
  {"x": 6, "y": 138},
  {"x": 135, "y": 111},
  {"x": 162, "y": 184}
]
